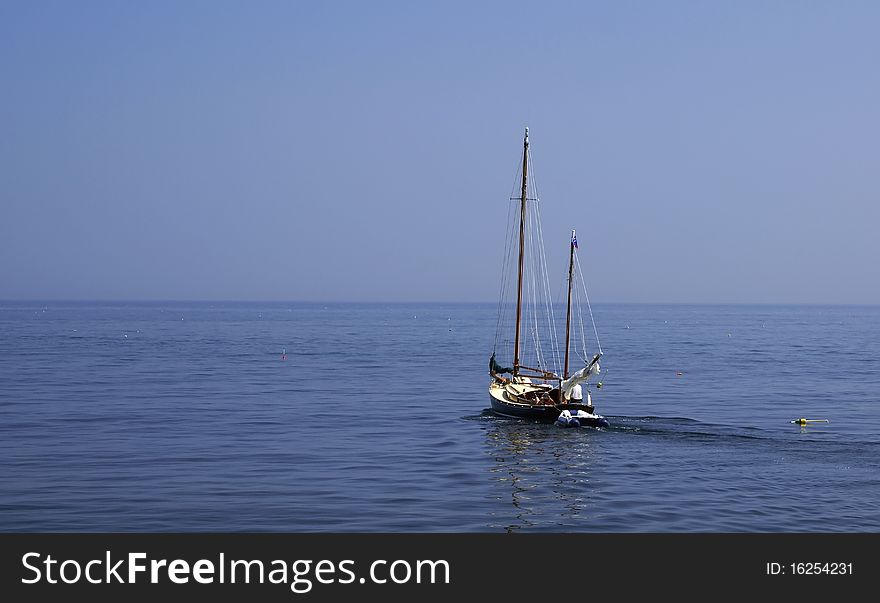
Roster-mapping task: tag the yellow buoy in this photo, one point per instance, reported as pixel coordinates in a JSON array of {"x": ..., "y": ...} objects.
[{"x": 803, "y": 421}]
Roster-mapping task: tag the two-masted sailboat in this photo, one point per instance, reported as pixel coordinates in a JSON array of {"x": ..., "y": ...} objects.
[{"x": 539, "y": 385}]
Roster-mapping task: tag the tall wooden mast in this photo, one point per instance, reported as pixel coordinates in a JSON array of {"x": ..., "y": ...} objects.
[
  {"x": 522, "y": 239},
  {"x": 568, "y": 306}
]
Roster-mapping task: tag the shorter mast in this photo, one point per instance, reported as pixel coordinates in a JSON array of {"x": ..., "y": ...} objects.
[{"x": 568, "y": 305}]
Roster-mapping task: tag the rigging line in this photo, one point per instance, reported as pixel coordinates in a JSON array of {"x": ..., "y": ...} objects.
[
  {"x": 504, "y": 277},
  {"x": 539, "y": 284},
  {"x": 534, "y": 278},
  {"x": 503, "y": 314},
  {"x": 589, "y": 307},
  {"x": 544, "y": 294},
  {"x": 577, "y": 294},
  {"x": 509, "y": 267},
  {"x": 501, "y": 292},
  {"x": 559, "y": 302},
  {"x": 584, "y": 337},
  {"x": 533, "y": 181},
  {"x": 531, "y": 290},
  {"x": 551, "y": 322},
  {"x": 551, "y": 319},
  {"x": 517, "y": 176},
  {"x": 583, "y": 329},
  {"x": 576, "y": 313},
  {"x": 541, "y": 262},
  {"x": 581, "y": 353},
  {"x": 558, "y": 299},
  {"x": 513, "y": 212}
]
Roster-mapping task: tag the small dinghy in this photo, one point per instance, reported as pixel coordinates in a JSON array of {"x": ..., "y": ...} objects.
[
  {"x": 581, "y": 418},
  {"x": 566, "y": 420}
]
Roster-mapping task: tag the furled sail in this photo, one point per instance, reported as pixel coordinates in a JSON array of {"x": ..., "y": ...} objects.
[
  {"x": 582, "y": 376},
  {"x": 496, "y": 368}
]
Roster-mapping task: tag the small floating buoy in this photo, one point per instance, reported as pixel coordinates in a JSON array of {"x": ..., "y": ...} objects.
[
  {"x": 678, "y": 373},
  {"x": 803, "y": 421}
]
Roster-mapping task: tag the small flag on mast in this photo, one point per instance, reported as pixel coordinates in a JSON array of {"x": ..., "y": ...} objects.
[{"x": 574, "y": 240}]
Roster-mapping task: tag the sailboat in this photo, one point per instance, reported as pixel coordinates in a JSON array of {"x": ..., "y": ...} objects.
[{"x": 538, "y": 385}]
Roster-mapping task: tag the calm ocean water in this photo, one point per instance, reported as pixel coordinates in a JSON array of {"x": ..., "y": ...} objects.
[{"x": 185, "y": 417}]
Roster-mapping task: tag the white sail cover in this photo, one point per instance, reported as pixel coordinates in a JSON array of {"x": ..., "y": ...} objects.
[{"x": 582, "y": 376}]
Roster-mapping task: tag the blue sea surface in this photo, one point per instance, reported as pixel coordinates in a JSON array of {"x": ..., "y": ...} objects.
[{"x": 186, "y": 417}]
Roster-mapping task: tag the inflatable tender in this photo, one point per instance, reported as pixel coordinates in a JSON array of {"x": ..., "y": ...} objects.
[{"x": 580, "y": 419}]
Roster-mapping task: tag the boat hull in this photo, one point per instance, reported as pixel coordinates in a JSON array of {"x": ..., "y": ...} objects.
[{"x": 545, "y": 413}]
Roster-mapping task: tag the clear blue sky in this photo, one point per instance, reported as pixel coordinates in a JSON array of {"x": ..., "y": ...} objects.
[{"x": 705, "y": 151}]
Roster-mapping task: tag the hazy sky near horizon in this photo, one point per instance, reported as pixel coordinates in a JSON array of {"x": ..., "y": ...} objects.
[{"x": 365, "y": 151}]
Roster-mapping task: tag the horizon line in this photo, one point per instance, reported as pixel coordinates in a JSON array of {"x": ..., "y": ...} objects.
[{"x": 456, "y": 302}]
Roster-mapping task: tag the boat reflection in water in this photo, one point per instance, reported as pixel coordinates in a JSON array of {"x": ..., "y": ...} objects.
[{"x": 544, "y": 478}]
